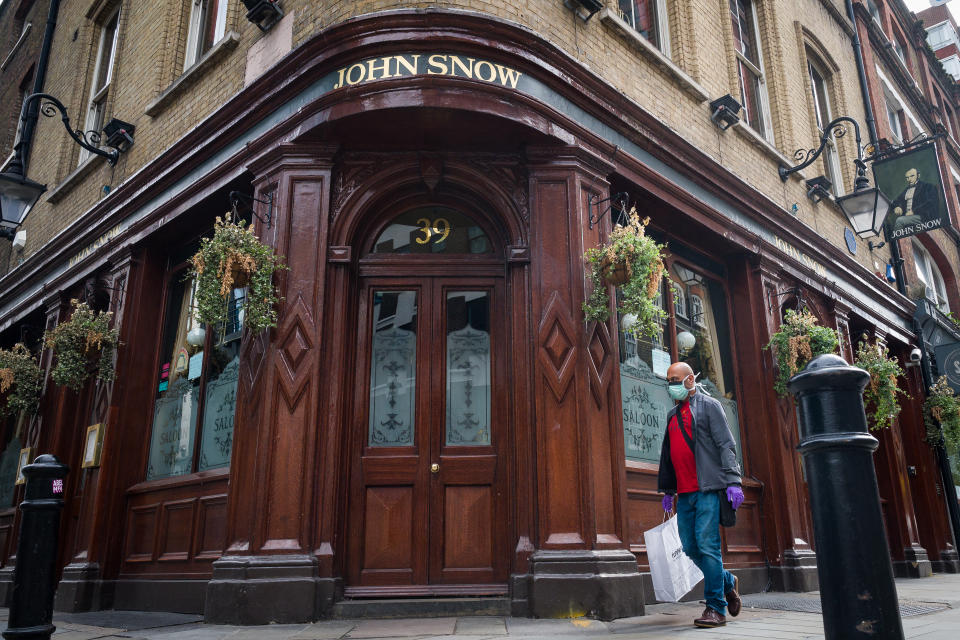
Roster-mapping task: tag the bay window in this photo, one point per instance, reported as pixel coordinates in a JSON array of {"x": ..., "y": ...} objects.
[
  {"x": 196, "y": 380},
  {"x": 697, "y": 332}
]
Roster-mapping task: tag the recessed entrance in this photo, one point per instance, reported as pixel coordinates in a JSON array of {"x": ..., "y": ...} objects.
[{"x": 428, "y": 505}]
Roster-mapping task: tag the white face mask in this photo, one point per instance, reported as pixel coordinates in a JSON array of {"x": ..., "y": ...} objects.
[{"x": 679, "y": 390}]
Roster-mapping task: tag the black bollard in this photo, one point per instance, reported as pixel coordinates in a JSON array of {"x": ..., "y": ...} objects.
[
  {"x": 857, "y": 593},
  {"x": 34, "y": 577}
]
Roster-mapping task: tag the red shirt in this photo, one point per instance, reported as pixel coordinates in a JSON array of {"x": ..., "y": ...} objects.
[{"x": 684, "y": 464}]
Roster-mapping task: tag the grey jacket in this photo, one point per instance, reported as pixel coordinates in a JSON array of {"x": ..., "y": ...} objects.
[{"x": 714, "y": 448}]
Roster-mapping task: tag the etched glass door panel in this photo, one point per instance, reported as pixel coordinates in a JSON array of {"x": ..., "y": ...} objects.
[
  {"x": 393, "y": 369},
  {"x": 468, "y": 368}
]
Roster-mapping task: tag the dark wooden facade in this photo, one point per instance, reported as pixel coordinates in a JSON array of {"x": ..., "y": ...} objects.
[{"x": 549, "y": 512}]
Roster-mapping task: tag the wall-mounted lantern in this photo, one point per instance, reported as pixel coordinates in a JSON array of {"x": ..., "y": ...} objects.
[
  {"x": 263, "y": 13},
  {"x": 18, "y": 193},
  {"x": 584, "y": 8},
  {"x": 724, "y": 112},
  {"x": 865, "y": 208},
  {"x": 818, "y": 188}
]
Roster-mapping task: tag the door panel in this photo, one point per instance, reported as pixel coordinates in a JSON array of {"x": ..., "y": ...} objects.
[{"x": 427, "y": 498}]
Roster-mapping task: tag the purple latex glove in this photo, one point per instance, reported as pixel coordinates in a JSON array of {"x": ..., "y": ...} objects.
[
  {"x": 735, "y": 496},
  {"x": 667, "y": 502}
]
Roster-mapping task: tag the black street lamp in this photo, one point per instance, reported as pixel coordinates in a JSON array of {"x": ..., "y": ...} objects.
[
  {"x": 18, "y": 193},
  {"x": 865, "y": 208}
]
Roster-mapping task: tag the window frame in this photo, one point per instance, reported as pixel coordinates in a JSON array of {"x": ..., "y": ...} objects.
[
  {"x": 97, "y": 102},
  {"x": 893, "y": 121},
  {"x": 929, "y": 274},
  {"x": 199, "y": 21},
  {"x": 756, "y": 69},
  {"x": 821, "y": 100},
  {"x": 661, "y": 23}
]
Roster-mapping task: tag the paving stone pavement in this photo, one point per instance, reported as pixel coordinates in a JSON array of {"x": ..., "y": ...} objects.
[{"x": 669, "y": 621}]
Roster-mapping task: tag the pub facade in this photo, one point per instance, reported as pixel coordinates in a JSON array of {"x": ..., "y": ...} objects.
[{"x": 432, "y": 416}]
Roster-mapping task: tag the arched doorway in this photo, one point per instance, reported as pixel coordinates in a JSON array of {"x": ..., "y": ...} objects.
[{"x": 428, "y": 500}]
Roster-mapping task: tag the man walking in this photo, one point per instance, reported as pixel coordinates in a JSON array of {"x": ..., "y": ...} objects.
[{"x": 698, "y": 462}]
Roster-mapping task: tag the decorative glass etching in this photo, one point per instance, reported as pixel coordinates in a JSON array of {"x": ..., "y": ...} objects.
[
  {"x": 645, "y": 404},
  {"x": 468, "y": 368},
  {"x": 393, "y": 369},
  {"x": 176, "y": 404},
  {"x": 432, "y": 230},
  {"x": 171, "y": 447},
  {"x": 216, "y": 440},
  {"x": 643, "y": 393}
]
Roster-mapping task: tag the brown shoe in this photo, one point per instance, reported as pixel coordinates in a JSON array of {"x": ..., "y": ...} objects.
[
  {"x": 710, "y": 618},
  {"x": 733, "y": 598}
]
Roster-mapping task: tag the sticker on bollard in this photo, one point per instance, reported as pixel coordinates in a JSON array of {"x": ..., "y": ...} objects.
[{"x": 34, "y": 576}]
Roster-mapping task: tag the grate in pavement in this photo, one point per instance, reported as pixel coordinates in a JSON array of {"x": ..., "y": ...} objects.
[{"x": 780, "y": 602}]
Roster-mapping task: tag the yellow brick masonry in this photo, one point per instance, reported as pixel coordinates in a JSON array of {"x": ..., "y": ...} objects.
[{"x": 150, "y": 58}]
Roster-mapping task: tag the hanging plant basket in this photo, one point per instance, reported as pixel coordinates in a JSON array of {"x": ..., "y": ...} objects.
[
  {"x": 82, "y": 344},
  {"x": 616, "y": 272},
  {"x": 21, "y": 381},
  {"x": 632, "y": 261},
  {"x": 234, "y": 257},
  {"x": 880, "y": 394},
  {"x": 941, "y": 411},
  {"x": 799, "y": 340}
]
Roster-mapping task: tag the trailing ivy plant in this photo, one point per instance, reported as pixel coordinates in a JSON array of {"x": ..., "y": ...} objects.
[
  {"x": 799, "y": 340},
  {"x": 638, "y": 259},
  {"x": 941, "y": 409},
  {"x": 882, "y": 391},
  {"x": 235, "y": 257},
  {"x": 21, "y": 381},
  {"x": 86, "y": 336}
]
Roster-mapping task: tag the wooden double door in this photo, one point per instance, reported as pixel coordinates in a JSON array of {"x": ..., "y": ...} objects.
[{"x": 428, "y": 508}]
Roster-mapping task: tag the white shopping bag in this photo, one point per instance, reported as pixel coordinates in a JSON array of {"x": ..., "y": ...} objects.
[{"x": 673, "y": 572}]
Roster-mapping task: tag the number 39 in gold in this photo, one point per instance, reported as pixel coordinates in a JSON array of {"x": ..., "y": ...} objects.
[{"x": 437, "y": 230}]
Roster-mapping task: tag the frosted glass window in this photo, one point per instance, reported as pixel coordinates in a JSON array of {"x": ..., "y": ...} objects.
[
  {"x": 393, "y": 369},
  {"x": 468, "y": 368}
]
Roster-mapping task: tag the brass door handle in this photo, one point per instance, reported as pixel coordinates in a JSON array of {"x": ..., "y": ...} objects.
[{"x": 434, "y": 468}]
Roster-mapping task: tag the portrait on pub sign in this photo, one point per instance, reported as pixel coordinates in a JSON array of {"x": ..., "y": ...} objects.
[{"x": 911, "y": 181}]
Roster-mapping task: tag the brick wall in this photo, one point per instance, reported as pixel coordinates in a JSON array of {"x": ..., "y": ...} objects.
[{"x": 19, "y": 50}]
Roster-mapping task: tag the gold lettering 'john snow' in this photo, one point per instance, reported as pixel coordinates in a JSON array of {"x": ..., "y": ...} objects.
[
  {"x": 415, "y": 64},
  {"x": 800, "y": 256},
  {"x": 96, "y": 244}
]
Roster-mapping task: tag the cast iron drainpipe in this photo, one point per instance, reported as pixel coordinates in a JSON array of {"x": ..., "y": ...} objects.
[
  {"x": 946, "y": 476},
  {"x": 895, "y": 257},
  {"x": 30, "y": 119}
]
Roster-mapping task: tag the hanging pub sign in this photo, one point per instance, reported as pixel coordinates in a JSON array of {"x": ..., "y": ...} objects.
[
  {"x": 911, "y": 181},
  {"x": 948, "y": 363}
]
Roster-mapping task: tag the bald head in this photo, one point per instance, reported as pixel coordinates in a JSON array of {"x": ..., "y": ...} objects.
[
  {"x": 682, "y": 372},
  {"x": 678, "y": 371}
]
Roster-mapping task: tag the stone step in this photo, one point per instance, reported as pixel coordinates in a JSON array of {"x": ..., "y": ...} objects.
[{"x": 421, "y": 608}]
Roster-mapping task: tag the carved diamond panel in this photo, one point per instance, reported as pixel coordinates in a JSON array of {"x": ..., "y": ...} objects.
[
  {"x": 599, "y": 350},
  {"x": 294, "y": 347},
  {"x": 557, "y": 352}
]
